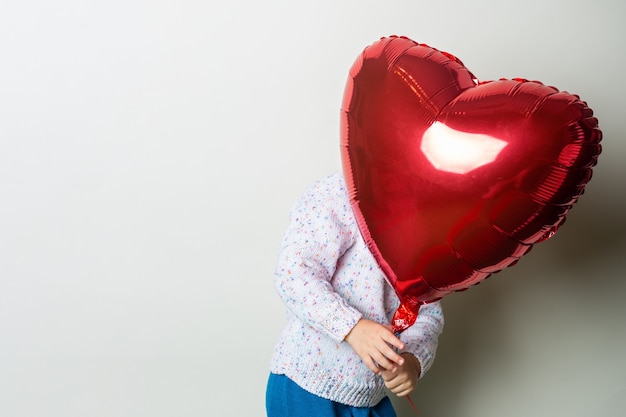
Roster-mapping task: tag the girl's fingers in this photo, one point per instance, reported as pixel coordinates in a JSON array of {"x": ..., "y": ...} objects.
[
  {"x": 372, "y": 366},
  {"x": 392, "y": 355},
  {"x": 385, "y": 363},
  {"x": 401, "y": 388},
  {"x": 389, "y": 359},
  {"x": 393, "y": 341}
]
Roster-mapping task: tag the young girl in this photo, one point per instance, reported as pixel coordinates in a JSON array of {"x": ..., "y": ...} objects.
[{"x": 337, "y": 353}]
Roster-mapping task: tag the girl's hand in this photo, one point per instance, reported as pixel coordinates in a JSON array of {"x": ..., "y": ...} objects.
[
  {"x": 374, "y": 344},
  {"x": 403, "y": 380}
]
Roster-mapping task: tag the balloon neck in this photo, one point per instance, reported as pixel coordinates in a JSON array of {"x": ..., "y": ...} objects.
[{"x": 405, "y": 315}]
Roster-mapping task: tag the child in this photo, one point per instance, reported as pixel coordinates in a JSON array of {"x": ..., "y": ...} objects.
[{"x": 337, "y": 352}]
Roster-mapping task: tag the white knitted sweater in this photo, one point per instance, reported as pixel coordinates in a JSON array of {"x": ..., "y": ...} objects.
[{"x": 328, "y": 280}]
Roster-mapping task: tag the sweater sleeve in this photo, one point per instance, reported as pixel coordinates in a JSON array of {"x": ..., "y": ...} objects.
[
  {"x": 318, "y": 234},
  {"x": 421, "y": 339}
]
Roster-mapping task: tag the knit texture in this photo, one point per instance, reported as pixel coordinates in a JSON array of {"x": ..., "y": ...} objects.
[{"x": 328, "y": 280}]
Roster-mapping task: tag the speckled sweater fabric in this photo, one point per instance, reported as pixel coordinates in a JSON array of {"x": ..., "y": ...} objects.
[{"x": 328, "y": 280}]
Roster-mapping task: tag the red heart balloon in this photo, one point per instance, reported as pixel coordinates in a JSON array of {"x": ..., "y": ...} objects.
[{"x": 451, "y": 179}]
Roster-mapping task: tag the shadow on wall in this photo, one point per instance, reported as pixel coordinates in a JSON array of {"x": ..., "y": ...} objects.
[
  {"x": 478, "y": 340},
  {"x": 452, "y": 373}
]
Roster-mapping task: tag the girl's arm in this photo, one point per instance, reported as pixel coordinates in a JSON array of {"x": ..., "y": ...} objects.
[{"x": 319, "y": 233}]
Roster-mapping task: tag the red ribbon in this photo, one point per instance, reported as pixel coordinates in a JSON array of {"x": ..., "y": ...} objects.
[{"x": 408, "y": 397}]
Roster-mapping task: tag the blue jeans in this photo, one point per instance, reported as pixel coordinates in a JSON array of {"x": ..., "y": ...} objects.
[{"x": 284, "y": 398}]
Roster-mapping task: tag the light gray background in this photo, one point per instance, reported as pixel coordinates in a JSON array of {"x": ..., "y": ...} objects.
[{"x": 150, "y": 152}]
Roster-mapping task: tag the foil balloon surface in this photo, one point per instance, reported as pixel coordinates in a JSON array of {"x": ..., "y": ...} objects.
[{"x": 452, "y": 179}]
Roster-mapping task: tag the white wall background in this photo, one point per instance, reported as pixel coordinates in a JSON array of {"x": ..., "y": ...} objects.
[{"x": 149, "y": 154}]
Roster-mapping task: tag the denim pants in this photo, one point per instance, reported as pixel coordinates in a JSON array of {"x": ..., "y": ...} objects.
[{"x": 284, "y": 398}]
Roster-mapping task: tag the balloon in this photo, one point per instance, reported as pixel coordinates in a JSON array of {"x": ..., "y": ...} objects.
[{"x": 452, "y": 179}]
